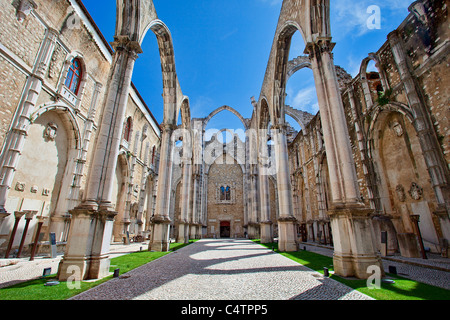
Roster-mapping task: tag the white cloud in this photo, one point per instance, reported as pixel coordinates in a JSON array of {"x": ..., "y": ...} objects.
[
  {"x": 304, "y": 99},
  {"x": 229, "y": 34},
  {"x": 200, "y": 105}
]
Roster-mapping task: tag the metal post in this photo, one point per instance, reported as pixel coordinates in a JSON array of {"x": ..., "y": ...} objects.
[{"x": 18, "y": 215}]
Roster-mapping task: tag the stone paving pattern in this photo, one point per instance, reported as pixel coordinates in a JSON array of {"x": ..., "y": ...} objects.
[
  {"x": 222, "y": 270},
  {"x": 225, "y": 269}
]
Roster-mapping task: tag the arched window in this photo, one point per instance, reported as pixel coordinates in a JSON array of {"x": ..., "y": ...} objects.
[
  {"x": 74, "y": 76},
  {"x": 127, "y": 129},
  {"x": 225, "y": 193},
  {"x": 222, "y": 193}
]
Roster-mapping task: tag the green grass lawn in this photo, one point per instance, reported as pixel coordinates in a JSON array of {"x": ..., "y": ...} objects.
[
  {"x": 36, "y": 289},
  {"x": 402, "y": 289}
]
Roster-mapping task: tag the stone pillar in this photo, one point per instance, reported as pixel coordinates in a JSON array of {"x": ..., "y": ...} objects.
[
  {"x": 286, "y": 222},
  {"x": 265, "y": 223},
  {"x": 28, "y": 217},
  {"x": 92, "y": 222},
  {"x": 432, "y": 153},
  {"x": 195, "y": 232},
  {"x": 15, "y": 140},
  {"x": 17, "y": 216},
  {"x": 351, "y": 222},
  {"x": 183, "y": 227},
  {"x": 264, "y": 191},
  {"x": 161, "y": 220},
  {"x": 40, "y": 223},
  {"x": 252, "y": 224}
]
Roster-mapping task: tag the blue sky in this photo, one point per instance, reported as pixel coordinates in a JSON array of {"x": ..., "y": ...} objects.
[{"x": 222, "y": 48}]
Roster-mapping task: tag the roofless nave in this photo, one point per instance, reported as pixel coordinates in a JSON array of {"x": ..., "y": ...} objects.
[{"x": 109, "y": 169}]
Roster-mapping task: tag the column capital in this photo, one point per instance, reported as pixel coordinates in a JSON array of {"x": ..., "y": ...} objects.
[
  {"x": 393, "y": 37},
  {"x": 19, "y": 214},
  {"x": 160, "y": 219},
  {"x": 318, "y": 46},
  {"x": 168, "y": 128},
  {"x": 124, "y": 43},
  {"x": 3, "y": 215},
  {"x": 281, "y": 127},
  {"x": 29, "y": 214}
]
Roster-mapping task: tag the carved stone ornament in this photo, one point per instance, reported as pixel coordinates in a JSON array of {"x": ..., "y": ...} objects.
[
  {"x": 24, "y": 9},
  {"x": 397, "y": 128},
  {"x": 415, "y": 192},
  {"x": 401, "y": 195},
  {"x": 50, "y": 132},
  {"x": 20, "y": 186}
]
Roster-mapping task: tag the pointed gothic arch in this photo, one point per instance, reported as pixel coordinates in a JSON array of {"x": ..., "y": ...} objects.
[{"x": 225, "y": 108}]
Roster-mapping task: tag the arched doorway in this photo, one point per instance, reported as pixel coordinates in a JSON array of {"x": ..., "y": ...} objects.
[{"x": 225, "y": 229}]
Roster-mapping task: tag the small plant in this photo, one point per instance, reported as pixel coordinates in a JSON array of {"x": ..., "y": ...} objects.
[{"x": 384, "y": 97}]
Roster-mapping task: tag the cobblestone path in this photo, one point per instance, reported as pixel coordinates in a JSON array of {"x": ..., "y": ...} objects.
[{"x": 222, "y": 270}]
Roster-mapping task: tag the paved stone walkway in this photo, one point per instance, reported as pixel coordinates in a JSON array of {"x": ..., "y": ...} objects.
[
  {"x": 13, "y": 271},
  {"x": 222, "y": 270}
]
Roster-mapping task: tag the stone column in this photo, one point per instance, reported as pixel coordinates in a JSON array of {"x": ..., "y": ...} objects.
[
  {"x": 16, "y": 138},
  {"x": 264, "y": 191},
  {"x": 92, "y": 222},
  {"x": 252, "y": 224},
  {"x": 28, "y": 217},
  {"x": 183, "y": 227},
  {"x": 286, "y": 221},
  {"x": 353, "y": 237},
  {"x": 17, "y": 216},
  {"x": 161, "y": 220},
  {"x": 40, "y": 223},
  {"x": 195, "y": 229},
  {"x": 265, "y": 223}
]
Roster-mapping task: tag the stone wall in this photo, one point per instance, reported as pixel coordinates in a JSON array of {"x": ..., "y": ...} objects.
[
  {"x": 222, "y": 173},
  {"x": 52, "y": 173},
  {"x": 390, "y": 160}
]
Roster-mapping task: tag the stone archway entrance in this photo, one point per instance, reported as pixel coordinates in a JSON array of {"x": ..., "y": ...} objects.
[{"x": 225, "y": 229}]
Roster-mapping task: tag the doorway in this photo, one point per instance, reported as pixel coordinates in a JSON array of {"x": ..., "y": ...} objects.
[{"x": 225, "y": 229}]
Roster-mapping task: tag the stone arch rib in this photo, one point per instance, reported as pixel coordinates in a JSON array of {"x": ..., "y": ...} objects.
[{"x": 226, "y": 108}]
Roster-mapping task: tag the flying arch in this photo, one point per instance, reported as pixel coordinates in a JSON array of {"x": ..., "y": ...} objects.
[{"x": 225, "y": 108}]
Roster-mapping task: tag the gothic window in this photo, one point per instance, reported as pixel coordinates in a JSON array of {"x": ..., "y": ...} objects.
[
  {"x": 222, "y": 193},
  {"x": 225, "y": 193},
  {"x": 74, "y": 75},
  {"x": 127, "y": 129},
  {"x": 228, "y": 194}
]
